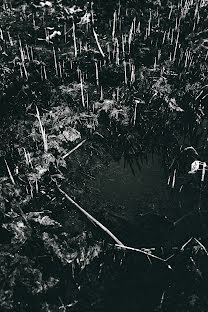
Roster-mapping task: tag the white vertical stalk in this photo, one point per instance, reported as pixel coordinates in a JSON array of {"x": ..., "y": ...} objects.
[
  {"x": 114, "y": 25},
  {"x": 55, "y": 62},
  {"x": 82, "y": 89},
  {"x": 176, "y": 45},
  {"x": 125, "y": 72},
  {"x": 98, "y": 44},
  {"x": 74, "y": 39},
  {"x": 97, "y": 73}
]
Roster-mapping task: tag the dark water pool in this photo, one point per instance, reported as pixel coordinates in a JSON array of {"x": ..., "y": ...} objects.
[
  {"x": 143, "y": 211},
  {"x": 147, "y": 191},
  {"x": 140, "y": 193}
]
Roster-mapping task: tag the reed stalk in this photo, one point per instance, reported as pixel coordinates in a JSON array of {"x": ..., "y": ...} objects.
[
  {"x": 9, "y": 172},
  {"x": 60, "y": 69},
  {"x": 55, "y": 62},
  {"x": 96, "y": 73},
  {"x": 155, "y": 63},
  {"x": 117, "y": 52},
  {"x": 206, "y": 55},
  {"x": 119, "y": 8},
  {"x": 130, "y": 37},
  {"x": 42, "y": 131},
  {"x": 23, "y": 58},
  {"x": 149, "y": 22},
  {"x": 28, "y": 54},
  {"x": 172, "y": 36},
  {"x": 135, "y": 113},
  {"x": 171, "y": 9},
  {"x": 117, "y": 93},
  {"x": 114, "y": 25},
  {"x": 109, "y": 52},
  {"x": 101, "y": 93},
  {"x": 1, "y": 34},
  {"x": 21, "y": 72},
  {"x": 92, "y": 13},
  {"x": 87, "y": 100},
  {"x": 123, "y": 44},
  {"x": 176, "y": 45},
  {"x": 31, "y": 53},
  {"x": 10, "y": 39},
  {"x": 74, "y": 39},
  {"x": 174, "y": 178},
  {"x": 125, "y": 73},
  {"x": 41, "y": 72},
  {"x": 133, "y": 79},
  {"x": 82, "y": 90},
  {"x": 138, "y": 30},
  {"x": 44, "y": 71},
  {"x": 65, "y": 33},
  {"x": 98, "y": 44}
]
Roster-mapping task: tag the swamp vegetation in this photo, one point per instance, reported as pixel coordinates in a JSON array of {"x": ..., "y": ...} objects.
[{"x": 103, "y": 150}]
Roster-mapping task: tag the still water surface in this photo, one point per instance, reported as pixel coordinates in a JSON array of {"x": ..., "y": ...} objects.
[{"x": 144, "y": 212}]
